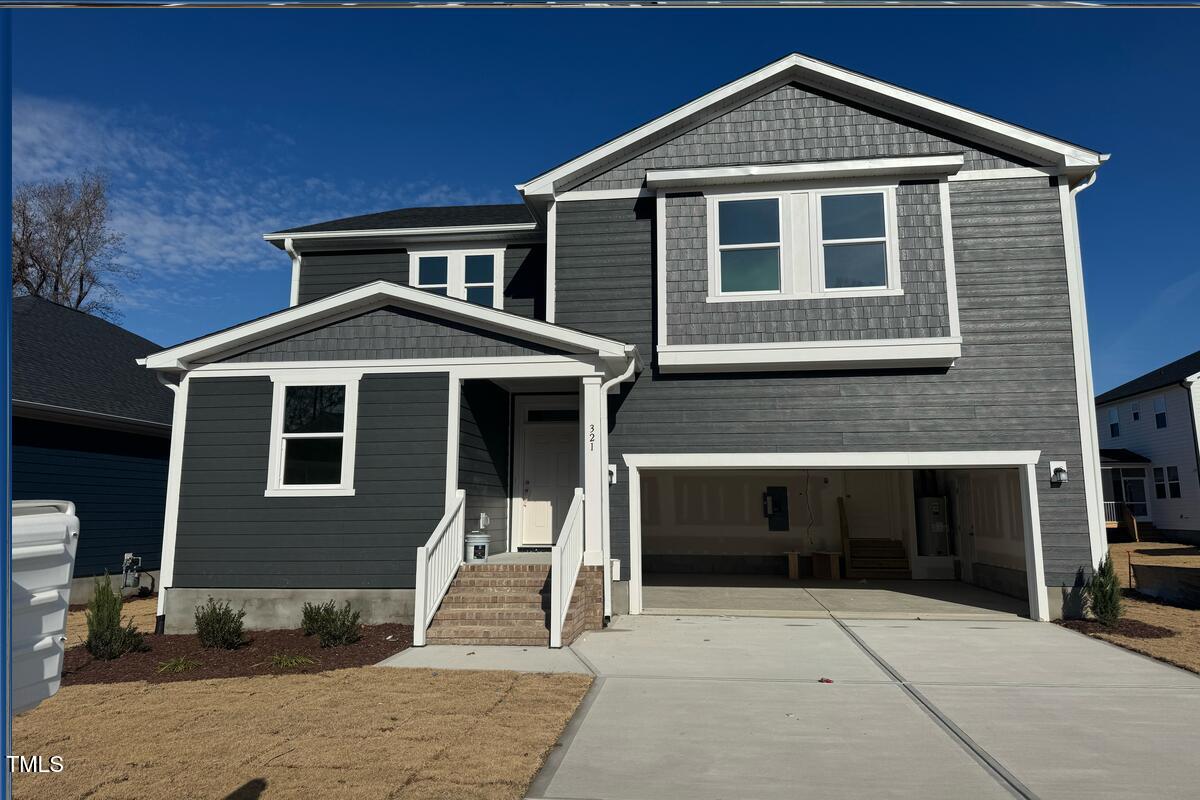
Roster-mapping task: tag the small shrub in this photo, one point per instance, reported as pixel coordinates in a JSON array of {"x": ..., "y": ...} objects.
[
  {"x": 107, "y": 638},
  {"x": 218, "y": 625},
  {"x": 176, "y": 665},
  {"x": 333, "y": 626},
  {"x": 1104, "y": 594},
  {"x": 288, "y": 661}
]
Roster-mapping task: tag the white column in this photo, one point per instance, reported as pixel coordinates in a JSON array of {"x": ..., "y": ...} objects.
[
  {"x": 1034, "y": 568},
  {"x": 591, "y": 471},
  {"x": 166, "y": 569}
]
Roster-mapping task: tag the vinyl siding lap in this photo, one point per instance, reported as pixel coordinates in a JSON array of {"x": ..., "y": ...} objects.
[
  {"x": 231, "y": 536},
  {"x": 1013, "y": 388},
  {"x": 921, "y": 312},
  {"x": 326, "y": 273},
  {"x": 483, "y": 457}
]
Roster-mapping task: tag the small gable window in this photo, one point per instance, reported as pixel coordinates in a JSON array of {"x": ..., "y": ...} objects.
[
  {"x": 1135, "y": 409},
  {"x": 472, "y": 275},
  {"x": 1114, "y": 423},
  {"x": 313, "y": 431},
  {"x": 853, "y": 241},
  {"x": 1160, "y": 412}
]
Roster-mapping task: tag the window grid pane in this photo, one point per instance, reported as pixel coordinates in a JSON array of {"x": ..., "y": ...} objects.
[
  {"x": 433, "y": 270},
  {"x": 750, "y": 270},
  {"x": 481, "y": 295},
  {"x": 314, "y": 409},
  {"x": 856, "y": 266},
  {"x": 479, "y": 269},
  {"x": 852, "y": 216},
  {"x": 748, "y": 221},
  {"x": 312, "y": 461}
]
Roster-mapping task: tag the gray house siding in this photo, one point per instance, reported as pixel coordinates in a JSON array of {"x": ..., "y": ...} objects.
[
  {"x": 1013, "y": 388},
  {"x": 392, "y": 333},
  {"x": 229, "y": 535},
  {"x": 787, "y": 125},
  {"x": 921, "y": 312},
  {"x": 525, "y": 280},
  {"x": 483, "y": 457},
  {"x": 323, "y": 274}
]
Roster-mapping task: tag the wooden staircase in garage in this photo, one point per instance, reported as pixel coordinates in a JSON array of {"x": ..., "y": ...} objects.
[
  {"x": 510, "y": 604},
  {"x": 876, "y": 558}
]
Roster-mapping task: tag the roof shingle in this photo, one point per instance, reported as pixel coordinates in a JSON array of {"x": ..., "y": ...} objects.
[
  {"x": 430, "y": 217},
  {"x": 1168, "y": 375}
]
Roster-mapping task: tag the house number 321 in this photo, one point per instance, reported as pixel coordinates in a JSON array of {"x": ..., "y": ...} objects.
[{"x": 591, "y": 437}]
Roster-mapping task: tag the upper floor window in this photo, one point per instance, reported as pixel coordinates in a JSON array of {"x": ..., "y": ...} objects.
[
  {"x": 476, "y": 276},
  {"x": 1160, "y": 412},
  {"x": 804, "y": 243},
  {"x": 1166, "y": 482},
  {"x": 1114, "y": 423},
  {"x": 1135, "y": 410},
  {"x": 313, "y": 431}
]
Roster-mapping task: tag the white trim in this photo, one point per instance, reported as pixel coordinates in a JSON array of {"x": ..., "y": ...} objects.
[
  {"x": 453, "y": 424},
  {"x": 1005, "y": 173},
  {"x": 592, "y": 472},
  {"x": 843, "y": 354},
  {"x": 948, "y": 257},
  {"x": 374, "y": 295},
  {"x": 534, "y": 367},
  {"x": 551, "y": 258},
  {"x": 290, "y": 249},
  {"x": 349, "y": 434},
  {"x": 166, "y": 569},
  {"x": 1084, "y": 393},
  {"x": 660, "y": 267},
  {"x": 823, "y": 75},
  {"x": 602, "y": 194},
  {"x": 851, "y": 168},
  {"x": 891, "y": 243},
  {"x": 456, "y": 270},
  {"x": 404, "y": 232},
  {"x": 1024, "y": 460}
]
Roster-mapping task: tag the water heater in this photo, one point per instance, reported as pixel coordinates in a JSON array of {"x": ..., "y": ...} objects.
[{"x": 933, "y": 526}]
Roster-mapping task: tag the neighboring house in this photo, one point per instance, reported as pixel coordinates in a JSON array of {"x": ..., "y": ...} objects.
[
  {"x": 808, "y": 312},
  {"x": 1151, "y": 450},
  {"x": 91, "y": 427}
]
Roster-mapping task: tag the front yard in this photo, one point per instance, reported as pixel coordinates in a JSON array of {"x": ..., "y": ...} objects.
[{"x": 367, "y": 732}]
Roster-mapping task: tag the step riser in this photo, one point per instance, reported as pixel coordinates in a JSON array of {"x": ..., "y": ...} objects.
[{"x": 492, "y": 615}]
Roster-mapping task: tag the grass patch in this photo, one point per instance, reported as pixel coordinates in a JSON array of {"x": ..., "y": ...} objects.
[
  {"x": 174, "y": 666},
  {"x": 289, "y": 661}
]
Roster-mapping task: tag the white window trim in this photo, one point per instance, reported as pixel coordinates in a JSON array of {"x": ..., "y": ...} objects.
[
  {"x": 456, "y": 260},
  {"x": 349, "y": 435},
  {"x": 801, "y": 249},
  {"x": 1161, "y": 400},
  {"x": 1114, "y": 419}
]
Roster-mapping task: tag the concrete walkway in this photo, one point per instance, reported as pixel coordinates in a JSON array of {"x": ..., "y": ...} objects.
[{"x": 721, "y": 707}]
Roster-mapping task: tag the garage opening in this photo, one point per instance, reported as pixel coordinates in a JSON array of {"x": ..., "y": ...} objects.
[{"x": 869, "y": 542}]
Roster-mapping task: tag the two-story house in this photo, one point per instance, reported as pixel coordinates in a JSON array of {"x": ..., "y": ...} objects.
[
  {"x": 809, "y": 324},
  {"x": 1150, "y": 449}
]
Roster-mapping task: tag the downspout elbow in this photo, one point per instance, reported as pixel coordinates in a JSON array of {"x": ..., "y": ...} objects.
[{"x": 290, "y": 248}]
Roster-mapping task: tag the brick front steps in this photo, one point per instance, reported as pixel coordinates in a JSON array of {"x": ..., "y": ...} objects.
[{"x": 510, "y": 604}]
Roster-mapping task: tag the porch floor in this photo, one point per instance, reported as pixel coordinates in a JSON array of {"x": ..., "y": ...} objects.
[
  {"x": 520, "y": 558},
  {"x": 769, "y": 596}
]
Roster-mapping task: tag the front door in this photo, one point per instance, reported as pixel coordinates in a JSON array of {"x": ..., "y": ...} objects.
[{"x": 547, "y": 470}]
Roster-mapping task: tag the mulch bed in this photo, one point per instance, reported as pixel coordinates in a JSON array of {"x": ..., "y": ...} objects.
[
  {"x": 377, "y": 643},
  {"x": 1134, "y": 629}
]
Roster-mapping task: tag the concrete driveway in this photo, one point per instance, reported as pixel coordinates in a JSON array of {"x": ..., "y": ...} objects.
[{"x": 724, "y": 707}]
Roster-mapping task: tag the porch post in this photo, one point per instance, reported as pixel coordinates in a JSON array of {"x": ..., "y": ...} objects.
[{"x": 591, "y": 471}]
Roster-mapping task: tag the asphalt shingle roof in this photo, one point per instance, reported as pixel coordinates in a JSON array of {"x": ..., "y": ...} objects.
[
  {"x": 1119, "y": 455},
  {"x": 430, "y": 217},
  {"x": 1171, "y": 374},
  {"x": 66, "y": 358}
]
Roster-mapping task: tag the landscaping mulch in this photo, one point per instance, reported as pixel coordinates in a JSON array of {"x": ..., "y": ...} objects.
[
  {"x": 1132, "y": 628},
  {"x": 253, "y": 658}
]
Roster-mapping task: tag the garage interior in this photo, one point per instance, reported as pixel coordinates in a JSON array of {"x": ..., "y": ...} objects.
[{"x": 902, "y": 542}]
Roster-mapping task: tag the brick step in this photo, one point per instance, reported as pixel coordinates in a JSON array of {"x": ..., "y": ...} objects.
[
  {"x": 515, "y": 629},
  {"x": 519, "y": 641},
  {"x": 530, "y": 584},
  {"x": 504, "y": 569},
  {"x": 493, "y": 598},
  {"x": 489, "y": 614}
]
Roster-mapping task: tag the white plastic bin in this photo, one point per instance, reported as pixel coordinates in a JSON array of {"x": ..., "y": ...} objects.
[{"x": 477, "y": 547}]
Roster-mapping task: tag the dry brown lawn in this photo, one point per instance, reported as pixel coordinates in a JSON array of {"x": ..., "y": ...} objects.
[
  {"x": 363, "y": 733},
  {"x": 1165, "y": 553},
  {"x": 139, "y": 609}
]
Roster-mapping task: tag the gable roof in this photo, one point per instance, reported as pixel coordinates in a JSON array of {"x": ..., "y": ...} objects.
[
  {"x": 376, "y": 295},
  {"x": 72, "y": 364},
  {"x": 1172, "y": 374},
  {"x": 1072, "y": 158},
  {"x": 498, "y": 218}
]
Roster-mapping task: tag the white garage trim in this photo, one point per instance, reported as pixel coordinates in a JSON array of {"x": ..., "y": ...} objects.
[{"x": 1024, "y": 460}]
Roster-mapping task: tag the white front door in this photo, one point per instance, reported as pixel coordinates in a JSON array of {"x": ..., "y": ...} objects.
[{"x": 550, "y": 467}]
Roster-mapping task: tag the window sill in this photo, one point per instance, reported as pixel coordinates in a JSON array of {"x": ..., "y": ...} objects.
[
  {"x": 845, "y": 354},
  {"x": 826, "y": 295},
  {"x": 314, "y": 491}
]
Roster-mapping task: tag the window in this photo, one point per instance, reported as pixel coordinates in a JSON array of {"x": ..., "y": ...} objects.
[
  {"x": 1166, "y": 483},
  {"x": 803, "y": 244},
  {"x": 313, "y": 430},
  {"x": 1135, "y": 410},
  {"x": 1160, "y": 412},
  {"x": 472, "y": 275},
  {"x": 1114, "y": 423}
]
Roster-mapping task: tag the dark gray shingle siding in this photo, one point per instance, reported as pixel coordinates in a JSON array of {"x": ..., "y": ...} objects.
[
  {"x": 920, "y": 312},
  {"x": 230, "y": 535},
  {"x": 323, "y": 274},
  {"x": 788, "y": 125},
  {"x": 483, "y": 457}
]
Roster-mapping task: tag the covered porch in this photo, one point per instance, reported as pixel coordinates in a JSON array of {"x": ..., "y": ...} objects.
[{"x": 1126, "y": 484}]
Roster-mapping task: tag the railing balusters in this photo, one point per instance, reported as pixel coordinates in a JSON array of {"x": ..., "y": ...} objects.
[
  {"x": 438, "y": 561},
  {"x": 566, "y": 557}
]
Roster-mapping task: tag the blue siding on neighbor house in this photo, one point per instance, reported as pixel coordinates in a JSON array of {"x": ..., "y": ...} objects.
[{"x": 117, "y": 481}]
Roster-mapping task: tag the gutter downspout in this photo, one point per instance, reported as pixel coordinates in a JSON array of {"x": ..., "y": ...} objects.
[
  {"x": 605, "y": 529},
  {"x": 1192, "y": 385},
  {"x": 290, "y": 248},
  {"x": 160, "y": 619}
]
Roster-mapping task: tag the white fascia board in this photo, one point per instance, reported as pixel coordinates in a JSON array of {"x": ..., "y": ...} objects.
[
  {"x": 819, "y": 73},
  {"x": 855, "y": 354},
  {"x": 927, "y": 166},
  {"x": 850, "y": 460},
  {"x": 401, "y": 233},
  {"x": 377, "y": 294}
]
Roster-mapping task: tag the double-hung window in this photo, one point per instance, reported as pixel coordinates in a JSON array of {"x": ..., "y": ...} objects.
[
  {"x": 803, "y": 244},
  {"x": 1166, "y": 483},
  {"x": 1114, "y": 423},
  {"x": 1160, "y": 412},
  {"x": 476, "y": 275},
  {"x": 1135, "y": 410},
  {"x": 313, "y": 432}
]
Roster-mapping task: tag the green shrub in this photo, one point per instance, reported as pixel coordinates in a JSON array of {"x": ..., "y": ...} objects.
[
  {"x": 333, "y": 626},
  {"x": 107, "y": 638},
  {"x": 176, "y": 665},
  {"x": 218, "y": 625},
  {"x": 288, "y": 661},
  {"x": 1104, "y": 594}
]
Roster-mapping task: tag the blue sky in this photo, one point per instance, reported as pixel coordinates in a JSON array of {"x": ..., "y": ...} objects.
[{"x": 217, "y": 126}]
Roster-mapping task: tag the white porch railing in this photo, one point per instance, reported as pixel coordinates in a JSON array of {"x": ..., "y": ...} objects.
[
  {"x": 566, "y": 557},
  {"x": 438, "y": 561},
  {"x": 1111, "y": 511}
]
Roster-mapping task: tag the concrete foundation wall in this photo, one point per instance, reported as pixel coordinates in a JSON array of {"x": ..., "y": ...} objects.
[
  {"x": 84, "y": 586},
  {"x": 269, "y": 609}
]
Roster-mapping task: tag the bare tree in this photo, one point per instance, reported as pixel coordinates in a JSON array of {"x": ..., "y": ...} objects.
[{"x": 62, "y": 247}]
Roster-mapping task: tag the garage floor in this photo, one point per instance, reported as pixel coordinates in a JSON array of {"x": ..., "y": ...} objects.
[
  {"x": 718, "y": 707},
  {"x": 768, "y": 596}
]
